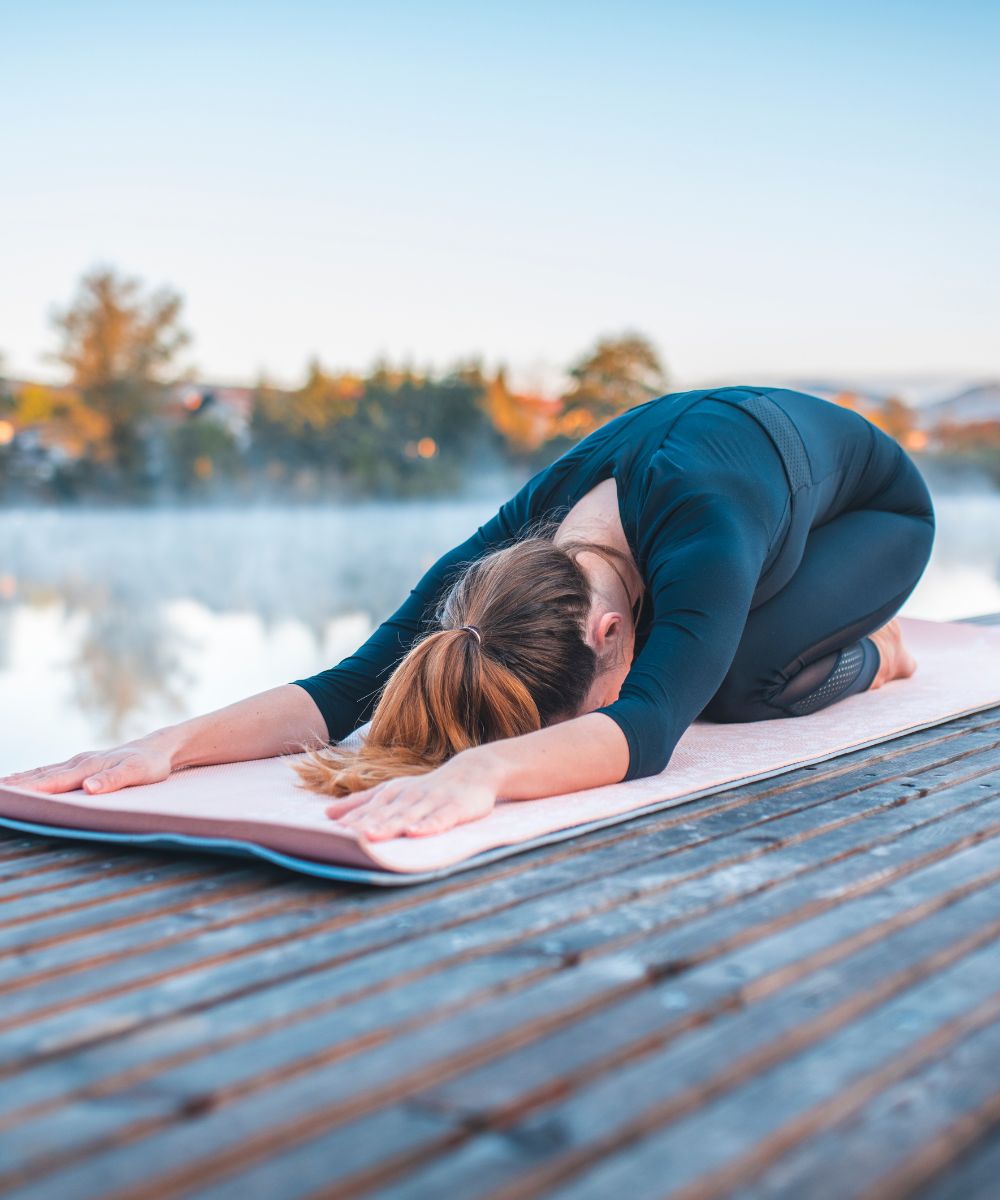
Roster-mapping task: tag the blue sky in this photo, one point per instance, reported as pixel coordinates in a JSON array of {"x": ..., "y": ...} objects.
[{"x": 761, "y": 189}]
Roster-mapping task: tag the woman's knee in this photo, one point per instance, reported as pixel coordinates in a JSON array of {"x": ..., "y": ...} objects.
[
  {"x": 908, "y": 550},
  {"x": 904, "y": 490}
]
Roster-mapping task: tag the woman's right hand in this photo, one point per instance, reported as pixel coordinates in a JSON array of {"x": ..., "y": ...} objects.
[{"x": 147, "y": 760}]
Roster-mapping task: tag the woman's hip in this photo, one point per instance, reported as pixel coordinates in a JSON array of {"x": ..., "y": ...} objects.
[{"x": 854, "y": 466}]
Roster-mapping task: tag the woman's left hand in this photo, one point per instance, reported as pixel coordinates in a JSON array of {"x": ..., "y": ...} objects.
[{"x": 416, "y": 805}]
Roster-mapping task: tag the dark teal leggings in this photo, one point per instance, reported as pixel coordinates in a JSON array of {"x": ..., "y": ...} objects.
[{"x": 806, "y": 647}]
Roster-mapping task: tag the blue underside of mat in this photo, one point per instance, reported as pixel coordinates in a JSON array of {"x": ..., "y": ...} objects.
[{"x": 173, "y": 841}]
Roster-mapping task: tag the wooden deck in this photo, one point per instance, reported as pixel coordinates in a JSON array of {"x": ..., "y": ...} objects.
[{"x": 787, "y": 990}]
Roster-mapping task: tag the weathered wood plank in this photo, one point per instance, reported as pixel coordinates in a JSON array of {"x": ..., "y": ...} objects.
[
  {"x": 90, "y": 892},
  {"x": 391, "y": 1138},
  {"x": 25, "y": 985},
  {"x": 731, "y": 1139},
  {"x": 133, "y": 1107},
  {"x": 522, "y": 1079},
  {"x": 723, "y": 1046},
  {"x": 346, "y": 1027},
  {"x": 701, "y": 1060},
  {"x": 32, "y": 859},
  {"x": 14, "y": 846},
  {"x": 888, "y": 835},
  {"x": 488, "y": 1030},
  {"x": 905, "y": 1136},
  {"x": 75, "y": 887},
  {"x": 330, "y": 1083},
  {"x": 973, "y": 1177},
  {"x": 125, "y": 923}
]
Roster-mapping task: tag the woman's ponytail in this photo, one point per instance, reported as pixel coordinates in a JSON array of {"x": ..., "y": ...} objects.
[
  {"x": 510, "y": 658},
  {"x": 445, "y": 696}
]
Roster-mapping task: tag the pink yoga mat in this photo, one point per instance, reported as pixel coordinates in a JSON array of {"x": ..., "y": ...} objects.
[{"x": 257, "y": 808}]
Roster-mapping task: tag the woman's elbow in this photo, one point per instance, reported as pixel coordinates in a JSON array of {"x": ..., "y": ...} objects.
[{"x": 653, "y": 758}]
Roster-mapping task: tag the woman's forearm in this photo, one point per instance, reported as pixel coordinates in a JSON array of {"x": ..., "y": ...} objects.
[
  {"x": 277, "y": 721},
  {"x": 269, "y": 723},
  {"x": 574, "y": 755},
  {"x": 584, "y": 752}
]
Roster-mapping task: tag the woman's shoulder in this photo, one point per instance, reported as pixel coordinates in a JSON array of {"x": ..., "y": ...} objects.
[{"x": 637, "y": 429}]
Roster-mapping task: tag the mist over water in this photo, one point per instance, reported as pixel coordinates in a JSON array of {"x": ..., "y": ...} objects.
[{"x": 113, "y": 623}]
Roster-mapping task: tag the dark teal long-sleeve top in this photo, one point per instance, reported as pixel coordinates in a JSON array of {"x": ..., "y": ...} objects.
[{"x": 703, "y": 498}]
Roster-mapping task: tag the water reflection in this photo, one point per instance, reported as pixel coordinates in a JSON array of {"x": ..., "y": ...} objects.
[
  {"x": 113, "y": 623},
  {"x": 129, "y": 658}
]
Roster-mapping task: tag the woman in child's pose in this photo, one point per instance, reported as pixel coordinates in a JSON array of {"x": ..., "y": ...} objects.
[{"x": 735, "y": 554}]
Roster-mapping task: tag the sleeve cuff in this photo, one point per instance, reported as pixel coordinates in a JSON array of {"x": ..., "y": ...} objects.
[{"x": 619, "y": 718}]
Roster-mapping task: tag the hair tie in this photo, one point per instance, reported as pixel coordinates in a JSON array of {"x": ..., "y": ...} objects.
[{"x": 473, "y": 629}]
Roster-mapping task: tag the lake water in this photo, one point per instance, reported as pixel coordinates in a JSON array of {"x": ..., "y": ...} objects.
[{"x": 115, "y": 623}]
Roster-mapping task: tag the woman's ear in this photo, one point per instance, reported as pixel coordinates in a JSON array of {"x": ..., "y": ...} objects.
[{"x": 608, "y": 634}]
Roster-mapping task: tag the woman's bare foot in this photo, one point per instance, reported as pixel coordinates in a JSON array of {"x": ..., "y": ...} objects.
[{"x": 897, "y": 662}]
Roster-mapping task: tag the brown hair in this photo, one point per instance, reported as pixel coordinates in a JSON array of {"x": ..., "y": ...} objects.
[{"x": 528, "y": 666}]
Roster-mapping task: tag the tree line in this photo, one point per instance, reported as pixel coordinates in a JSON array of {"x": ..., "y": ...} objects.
[{"x": 131, "y": 423}]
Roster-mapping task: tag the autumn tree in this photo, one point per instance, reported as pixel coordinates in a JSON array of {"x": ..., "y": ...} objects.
[
  {"x": 524, "y": 421},
  {"x": 121, "y": 344},
  {"x": 896, "y": 417},
  {"x": 616, "y": 375}
]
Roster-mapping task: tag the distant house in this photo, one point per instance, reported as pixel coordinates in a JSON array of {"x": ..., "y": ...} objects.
[
  {"x": 230, "y": 407},
  {"x": 37, "y": 423}
]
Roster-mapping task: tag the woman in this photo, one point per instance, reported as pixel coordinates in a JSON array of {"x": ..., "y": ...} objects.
[{"x": 735, "y": 554}]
